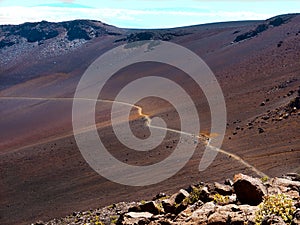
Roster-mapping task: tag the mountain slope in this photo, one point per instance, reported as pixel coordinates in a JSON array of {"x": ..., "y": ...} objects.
[{"x": 43, "y": 174}]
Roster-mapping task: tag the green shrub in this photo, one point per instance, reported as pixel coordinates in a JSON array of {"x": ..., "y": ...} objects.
[
  {"x": 220, "y": 199},
  {"x": 278, "y": 205},
  {"x": 264, "y": 179},
  {"x": 143, "y": 202},
  {"x": 99, "y": 223},
  {"x": 113, "y": 219},
  {"x": 111, "y": 206},
  {"x": 194, "y": 196}
]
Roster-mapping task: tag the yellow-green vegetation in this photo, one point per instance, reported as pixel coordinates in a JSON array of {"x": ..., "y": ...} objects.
[
  {"x": 164, "y": 198},
  {"x": 264, "y": 179},
  {"x": 143, "y": 202},
  {"x": 95, "y": 221},
  {"x": 99, "y": 223},
  {"x": 194, "y": 196},
  {"x": 111, "y": 206},
  {"x": 160, "y": 207},
  {"x": 220, "y": 199},
  {"x": 278, "y": 205},
  {"x": 113, "y": 219}
]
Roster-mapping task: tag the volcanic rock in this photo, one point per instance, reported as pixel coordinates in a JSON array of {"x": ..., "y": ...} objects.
[{"x": 249, "y": 190}]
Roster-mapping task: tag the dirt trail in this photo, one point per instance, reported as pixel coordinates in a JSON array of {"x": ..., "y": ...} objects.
[{"x": 147, "y": 123}]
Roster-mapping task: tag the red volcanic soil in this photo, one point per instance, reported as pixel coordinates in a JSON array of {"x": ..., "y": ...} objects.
[{"x": 43, "y": 174}]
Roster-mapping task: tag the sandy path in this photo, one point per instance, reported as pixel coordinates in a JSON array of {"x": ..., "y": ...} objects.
[{"x": 147, "y": 123}]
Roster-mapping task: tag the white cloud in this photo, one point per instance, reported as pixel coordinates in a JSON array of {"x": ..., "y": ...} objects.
[
  {"x": 67, "y": 1},
  {"x": 122, "y": 17},
  {"x": 17, "y": 15}
]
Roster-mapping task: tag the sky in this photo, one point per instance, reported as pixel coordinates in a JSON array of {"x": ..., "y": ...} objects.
[{"x": 144, "y": 13}]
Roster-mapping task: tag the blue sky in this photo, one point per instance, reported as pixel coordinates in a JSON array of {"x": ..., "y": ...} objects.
[{"x": 143, "y": 13}]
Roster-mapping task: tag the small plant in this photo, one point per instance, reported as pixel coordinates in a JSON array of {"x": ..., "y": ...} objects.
[
  {"x": 220, "y": 199},
  {"x": 113, "y": 219},
  {"x": 194, "y": 196},
  {"x": 111, "y": 206},
  {"x": 264, "y": 179},
  {"x": 99, "y": 223},
  {"x": 143, "y": 202},
  {"x": 160, "y": 207},
  {"x": 278, "y": 205},
  {"x": 164, "y": 198},
  {"x": 94, "y": 221}
]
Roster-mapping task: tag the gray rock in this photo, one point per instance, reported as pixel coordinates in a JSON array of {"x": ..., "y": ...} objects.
[
  {"x": 286, "y": 186},
  {"x": 232, "y": 213},
  {"x": 228, "y": 182},
  {"x": 217, "y": 219},
  {"x": 202, "y": 214},
  {"x": 286, "y": 183},
  {"x": 139, "y": 214},
  {"x": 249, "y": 212},
  {"x": 223, "y": 189},
  {"x": 292, "y": 176},
  {"x": 135, "y": 218}
]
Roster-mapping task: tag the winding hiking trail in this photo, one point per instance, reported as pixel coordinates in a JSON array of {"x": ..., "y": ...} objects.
[{"x": 147, "y": 123}]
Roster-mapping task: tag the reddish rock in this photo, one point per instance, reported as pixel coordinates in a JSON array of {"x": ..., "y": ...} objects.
[{"x": 249, "y": 190}]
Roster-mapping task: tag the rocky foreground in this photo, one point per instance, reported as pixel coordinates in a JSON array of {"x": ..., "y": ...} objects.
[{"x": 245, "y": 200}]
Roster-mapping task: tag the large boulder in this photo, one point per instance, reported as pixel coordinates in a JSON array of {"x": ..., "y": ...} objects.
[{"x": 249, "y": 190}]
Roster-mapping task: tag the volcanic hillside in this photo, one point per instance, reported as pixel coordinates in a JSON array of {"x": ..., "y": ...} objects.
[{"x": 43, "y": 174}]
